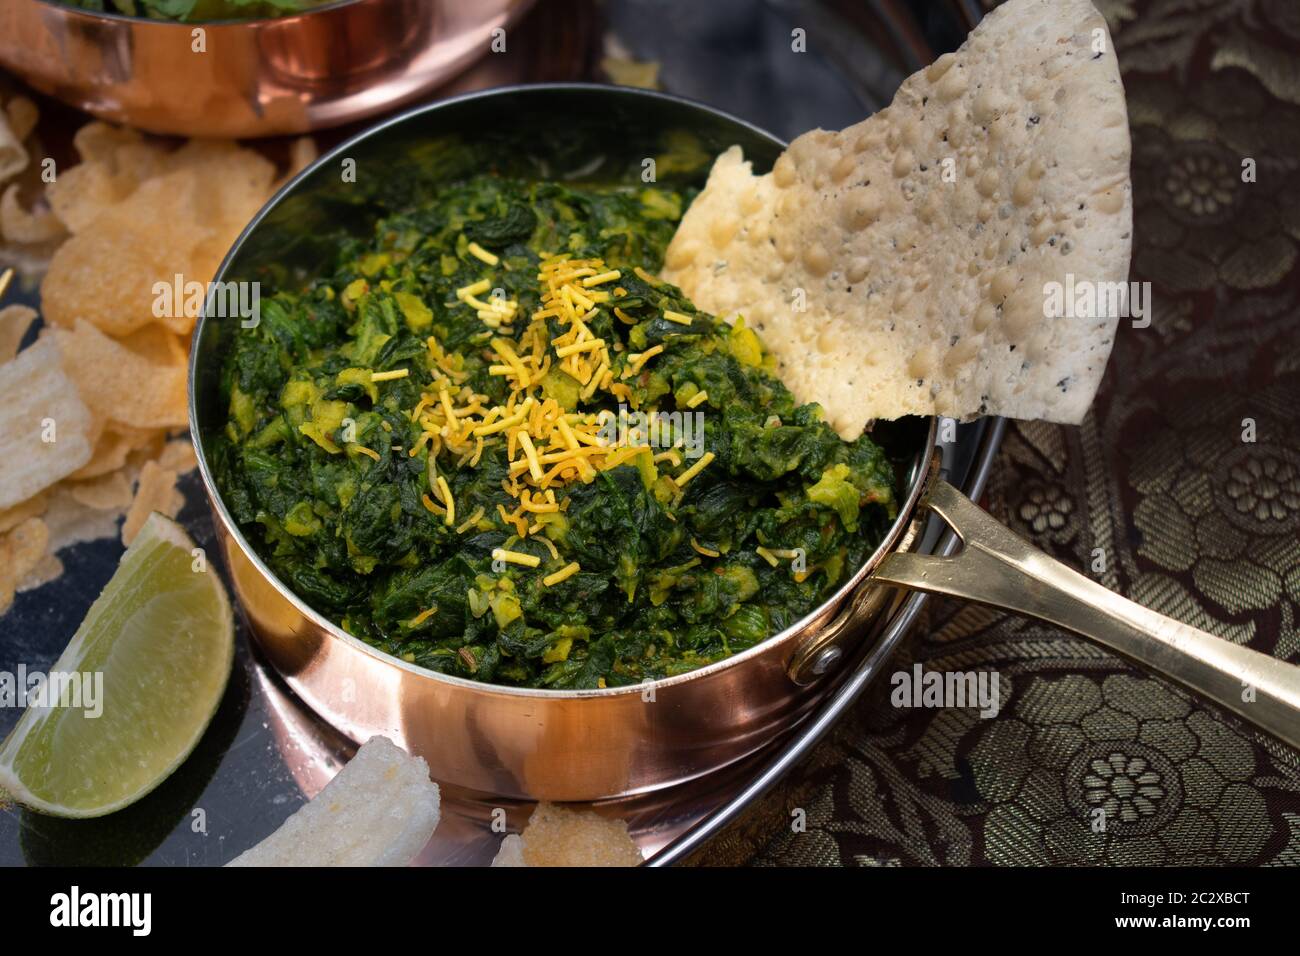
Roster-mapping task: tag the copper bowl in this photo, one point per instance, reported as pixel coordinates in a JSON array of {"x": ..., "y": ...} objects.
[
  {"x": 594, "y": 744},
  {"x": 331, "y": 65},
  {"x": 520, "y": 743}
]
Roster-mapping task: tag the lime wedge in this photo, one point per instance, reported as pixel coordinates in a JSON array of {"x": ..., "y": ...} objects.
[{"x": 158, "y": 642}]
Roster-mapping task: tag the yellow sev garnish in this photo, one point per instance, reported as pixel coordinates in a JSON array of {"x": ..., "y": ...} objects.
[
  {"x": 516, "y": 557},
  {"x": 547, "y": 446},
  {"x": 636, "y": 361},
  {"x": 498, "y": 312},
  {"x": 448, "y": 502},
  {"x": 478, "y": 252},
  {"x": 471, "y": 521},
  {"x": 694, "y": 470},
  {"x": 422, "y": 616},
  {"x": 566, "y": 572},
  {"x": 774, "y": 556},
  {"x": 707, "y": 552}
]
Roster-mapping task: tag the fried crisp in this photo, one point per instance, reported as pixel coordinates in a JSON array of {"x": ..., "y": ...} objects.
[
  {"x": 99, "y": 142},
  {"x": 81, "y": 193},
  {"x": 123, "y": 386},
  {"x": 179, "y": 456},
  {"x": 15, "y": 320},
  {"x": 157, "y": 344},
  {"x": 28, "y": 543},
  {"x": 180, "y": 223},
  {"x": 107, "y": 274},
  {"x": 559, "y": 836},
  {"x": 26, "y": 553},
  {"x": 110, "y": 492},
  {"x": 901, "y": 266},
  {"x": 155, "y": 492},
  {"x": 380, "y": 810},
  {"x": 114, "y": 162},
  {"x": 18, "y": 224},
  {"x": 47, "y": 569},
  {"x": 110, "y": 374},
  {"x": 236, "y": 181},
  {"x": 115, "y": 444},
  {"x": 34, "y": 506},
  {"x": 70, "y": 522},
  {"x": 46, "y": 431}
]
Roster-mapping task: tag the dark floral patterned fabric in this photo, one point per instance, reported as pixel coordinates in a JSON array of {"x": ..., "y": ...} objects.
[{"x": 1163, "y": 480}]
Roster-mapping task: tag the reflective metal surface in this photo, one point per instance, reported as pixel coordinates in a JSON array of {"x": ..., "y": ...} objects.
[
  {"x": 338, "y": 63},
  {"x": 996, "y": 566}
]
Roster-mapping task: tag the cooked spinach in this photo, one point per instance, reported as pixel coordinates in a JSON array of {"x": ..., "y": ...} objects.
[{"x": 370, "y": 457}]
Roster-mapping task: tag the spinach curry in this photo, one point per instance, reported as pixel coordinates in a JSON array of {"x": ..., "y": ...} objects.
[{"x": 493, "y": 444}]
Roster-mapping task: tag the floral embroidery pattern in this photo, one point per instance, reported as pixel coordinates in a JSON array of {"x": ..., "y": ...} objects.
[
  {"x": 1202, "y": 185},
  {"x": 1123, "y": 787},
  {"x": 1046, "y": 507},
  {"x": 1265, "y": 486}
]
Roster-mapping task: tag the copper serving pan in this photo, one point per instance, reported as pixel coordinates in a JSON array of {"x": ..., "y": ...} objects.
[
  {"x": 589, "y": 745},
  {"x": 334, "y": 64}
]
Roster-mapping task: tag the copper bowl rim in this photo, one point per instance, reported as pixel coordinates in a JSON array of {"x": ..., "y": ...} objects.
[
  {"x": 916, "y": 479},
  {"x": 72, "y": 11}
]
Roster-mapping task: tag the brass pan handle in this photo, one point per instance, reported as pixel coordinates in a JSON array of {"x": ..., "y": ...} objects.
[{"x": 996, "y": 566}]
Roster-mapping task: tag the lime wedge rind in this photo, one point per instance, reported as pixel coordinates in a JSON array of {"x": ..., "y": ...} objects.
[{"x": 162, "y": 637}]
